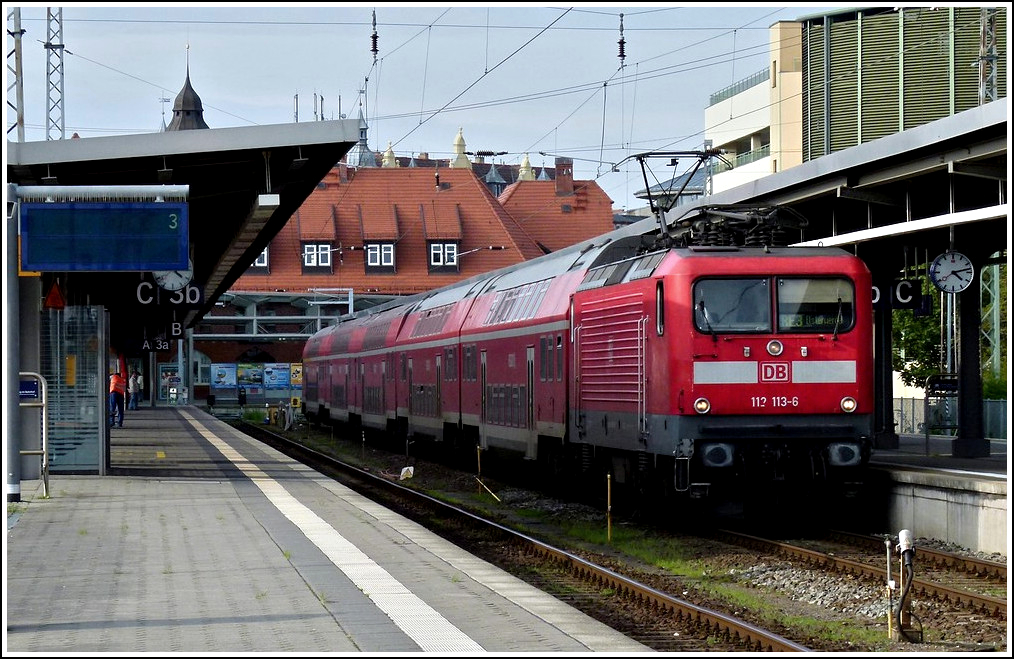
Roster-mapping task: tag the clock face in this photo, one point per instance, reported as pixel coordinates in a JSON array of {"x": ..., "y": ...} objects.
[
  {"x": 952, "y": 272},
  {"x": 174, "y": 280}
]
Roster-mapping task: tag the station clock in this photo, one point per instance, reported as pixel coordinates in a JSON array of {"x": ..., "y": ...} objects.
[
  {"x": 174, "y": 280},
  {"x": 951, "y": 272}
]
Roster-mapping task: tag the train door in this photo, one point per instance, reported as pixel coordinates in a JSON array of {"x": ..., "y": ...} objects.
[
  {"x": 357, "y": 376},
  {"x": 383, "y": 384},
  {"x": 345, "y": 391},
  {"x": 438, "y": 390},
  {"x": 575, "y": 341},
  {"x": 529, "y": 408},
  {"x": 411, "y": 392},
  {"x": 325, "y": 388},
  {"x": 483, "y": 411}
]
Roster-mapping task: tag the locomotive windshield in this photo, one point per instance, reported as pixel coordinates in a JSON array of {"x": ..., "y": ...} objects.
[
  {"x": 745, "y": 305},
  {"x": 815, "y": 305}
]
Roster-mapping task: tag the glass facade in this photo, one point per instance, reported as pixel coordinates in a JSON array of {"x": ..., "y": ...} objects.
[{"x": 75, "y": 367}]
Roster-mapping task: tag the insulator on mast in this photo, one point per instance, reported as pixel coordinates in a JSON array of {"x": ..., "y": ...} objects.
[
  {"x": 622, "y": 42},
  {"x": 373, "y": 38}
]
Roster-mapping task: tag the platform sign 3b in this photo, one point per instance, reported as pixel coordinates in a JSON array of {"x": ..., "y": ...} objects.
[{"x": 104, "y": 236}]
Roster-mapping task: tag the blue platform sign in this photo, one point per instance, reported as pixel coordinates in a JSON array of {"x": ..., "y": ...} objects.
[
  {"x": 28, "y": 389},
  {"x": 104, "y": 236}
]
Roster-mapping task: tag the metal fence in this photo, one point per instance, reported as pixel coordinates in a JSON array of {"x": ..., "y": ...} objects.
[{"x": 910, "y": 413}]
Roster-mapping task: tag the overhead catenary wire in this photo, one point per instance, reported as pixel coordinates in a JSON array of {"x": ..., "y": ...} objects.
[{"x": 486, "y": 73}]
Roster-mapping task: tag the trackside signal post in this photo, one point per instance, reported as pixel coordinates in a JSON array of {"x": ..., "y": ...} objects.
[{"x": 77, "y": 229}]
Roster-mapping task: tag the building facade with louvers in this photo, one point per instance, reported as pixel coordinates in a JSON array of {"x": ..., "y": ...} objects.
[{"x": 874, "y": 72}]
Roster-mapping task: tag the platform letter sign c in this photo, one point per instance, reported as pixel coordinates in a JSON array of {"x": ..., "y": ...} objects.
[{"x": 147, "y": 294}]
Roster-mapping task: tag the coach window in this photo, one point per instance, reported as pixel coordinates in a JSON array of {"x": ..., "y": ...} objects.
[
  {"x": 543, "y": 357},
  {"x": 450, "y": 370}
]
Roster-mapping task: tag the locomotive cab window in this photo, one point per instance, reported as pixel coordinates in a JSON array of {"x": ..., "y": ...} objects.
[
  {"x": 732, "y": 305},
  {"x": 803, "y": 304},
  {"x": 815, "y": 305}
]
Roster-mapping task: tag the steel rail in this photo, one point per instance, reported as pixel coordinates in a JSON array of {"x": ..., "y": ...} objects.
[
  {"x": 733, "y": 629},
  {"x": 994, "y": 606}
]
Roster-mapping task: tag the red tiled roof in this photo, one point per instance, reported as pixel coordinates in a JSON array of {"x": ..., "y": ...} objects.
[
  {"x": 378, "y": 221},
  {"x": 315, "y": 220},
  {"x": 441, "y": 220},
  {"x": 558, "y": 220},
  {"x": 388, "y": 201}
]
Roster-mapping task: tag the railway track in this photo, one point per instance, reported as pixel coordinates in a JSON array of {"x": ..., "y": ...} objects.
[
  {"x": 958, "y": 585},
  {"x": 657, "y": 619},
  {"x": 661, "y": 610}
]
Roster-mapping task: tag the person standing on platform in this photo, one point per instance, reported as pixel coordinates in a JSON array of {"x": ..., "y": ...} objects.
[
  {"x": 117, "y": 389},
  {"x": 132, "y": 390}
]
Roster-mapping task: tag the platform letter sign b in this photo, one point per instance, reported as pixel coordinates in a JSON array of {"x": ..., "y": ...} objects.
[
  {"x": 774, "y": 372},
  {"x": 176, "y": 329}
]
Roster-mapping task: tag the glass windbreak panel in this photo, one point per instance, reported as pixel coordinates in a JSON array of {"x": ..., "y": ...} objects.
[
  {"x": 815, "y": 305},
  {"x": 732, "y": 305},
  {"x": 74, "y": 365}
]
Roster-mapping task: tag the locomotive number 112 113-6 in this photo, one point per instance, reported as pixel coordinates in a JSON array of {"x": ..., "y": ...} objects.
[{"x": 774, "y": 401}]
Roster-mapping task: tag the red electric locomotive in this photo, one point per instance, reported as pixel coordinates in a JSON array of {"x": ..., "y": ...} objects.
[{"x": 705, "y": 361}]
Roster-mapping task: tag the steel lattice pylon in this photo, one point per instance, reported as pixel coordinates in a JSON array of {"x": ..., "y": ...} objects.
[
  {"x": 989, "y": 303},
  {"x": 987, "y": 55},
  {"x": 55, "y": 126},
  {"x": 14, "y": 34}
]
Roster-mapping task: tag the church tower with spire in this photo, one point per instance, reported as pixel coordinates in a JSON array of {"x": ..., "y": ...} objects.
[{"x": 188, "y": 111}]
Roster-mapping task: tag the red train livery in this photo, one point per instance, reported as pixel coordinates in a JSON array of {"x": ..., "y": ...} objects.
[{"x": 680, "y": 367}]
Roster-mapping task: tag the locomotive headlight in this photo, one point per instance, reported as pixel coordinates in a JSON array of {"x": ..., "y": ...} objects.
[
  {"x": 848, "y": 404},
  {"x": 775, "y": 348},
  {"x": 840, "y": 454},
  {"x": 716, "y": 455},
  {"x": 702, "y": 405}
]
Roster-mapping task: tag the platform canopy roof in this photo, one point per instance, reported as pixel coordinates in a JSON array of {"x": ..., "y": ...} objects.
[{"x": 243, "y": 184}]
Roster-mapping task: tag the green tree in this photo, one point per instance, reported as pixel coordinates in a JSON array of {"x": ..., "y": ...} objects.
[
  {"x": 917, "y": 351},
  {"x": 915, "y": 343}
]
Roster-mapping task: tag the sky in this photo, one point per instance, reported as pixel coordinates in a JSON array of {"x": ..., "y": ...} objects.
[{"x": 519, "y": 78}]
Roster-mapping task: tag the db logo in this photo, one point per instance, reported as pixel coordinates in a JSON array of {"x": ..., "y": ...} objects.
[{"x": 774, "y": 372}]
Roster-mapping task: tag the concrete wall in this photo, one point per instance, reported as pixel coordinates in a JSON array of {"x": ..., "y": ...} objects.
[{"x": 968, "y": 512}]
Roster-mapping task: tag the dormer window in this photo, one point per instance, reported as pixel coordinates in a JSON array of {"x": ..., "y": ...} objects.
[
  {"x": 443, "y": 256},
  {"x": 380, "y": 257},
  {"x": 260, "y": 264},
  {"x": 316, "y": 257}
]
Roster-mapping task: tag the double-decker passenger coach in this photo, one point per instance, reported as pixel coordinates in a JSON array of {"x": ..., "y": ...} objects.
[{"x": 709, "y": 360}]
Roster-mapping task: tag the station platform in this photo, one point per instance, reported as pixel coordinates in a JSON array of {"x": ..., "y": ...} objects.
[
  {"x": 936, "y": 452},
  {"x": 921, "y": 486},
  {"x": 205, "y": 540}
]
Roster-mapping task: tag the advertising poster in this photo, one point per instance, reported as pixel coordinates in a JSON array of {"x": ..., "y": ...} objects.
[
  {"x": 223, "y": 376},
  {"x": 296, "y": 377},
  {"x": 276, "y": 377},
  {"x": 250, "y": 375}
]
